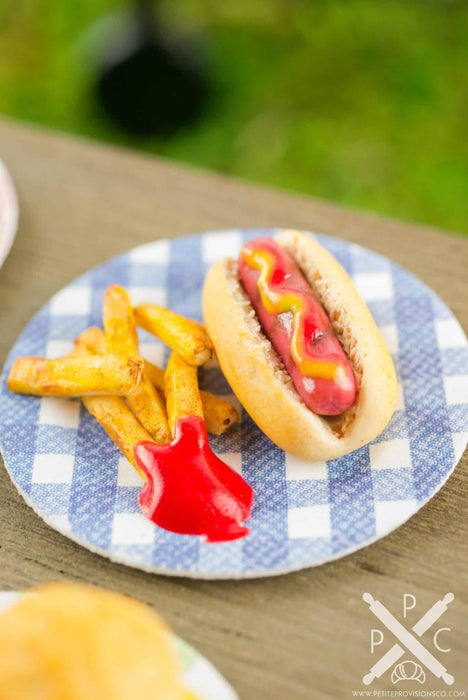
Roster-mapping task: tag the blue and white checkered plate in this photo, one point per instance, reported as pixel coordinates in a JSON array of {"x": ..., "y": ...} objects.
[
  {"x": 304, "y": 514},
  {"x": 198, "y": 675}
]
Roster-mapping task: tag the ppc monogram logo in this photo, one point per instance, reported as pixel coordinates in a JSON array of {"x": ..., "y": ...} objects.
[{"x": 407, "y": 641}]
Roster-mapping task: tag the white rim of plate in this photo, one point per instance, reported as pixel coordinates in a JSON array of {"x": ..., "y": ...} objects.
[{"x": 9, "y": 212}]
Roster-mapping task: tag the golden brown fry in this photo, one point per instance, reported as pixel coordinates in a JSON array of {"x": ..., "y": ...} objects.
[
  {"x": 118, "y": 421},
  {"x": 122, "y": 339},
  {"x": 75, "y": 375},
  {"x": 148, "y": 406},
  {"x": 92, "y": 340},
  {"x": 119, "y": 324},
  {"x": 155, "y": 374},
  {"x": 186, "y": 337},
  {"x": 146, "y": 402},
  {"x": 219, "y": 414},
  {"x": 111, "y": 412},
  {"x": 182, "y": 393}
]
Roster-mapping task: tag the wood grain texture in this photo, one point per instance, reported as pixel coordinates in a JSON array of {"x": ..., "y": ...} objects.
[{"x": 304, "y": 635}]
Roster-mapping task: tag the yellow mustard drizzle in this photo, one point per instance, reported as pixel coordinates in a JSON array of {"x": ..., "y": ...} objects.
[{"x": 291, "y": 300}]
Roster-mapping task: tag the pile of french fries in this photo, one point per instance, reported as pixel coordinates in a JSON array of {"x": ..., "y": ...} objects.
[{"x": 131, "y": 398}]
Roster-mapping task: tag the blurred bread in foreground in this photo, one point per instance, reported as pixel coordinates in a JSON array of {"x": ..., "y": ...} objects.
[{"x": 73, "y": 642}]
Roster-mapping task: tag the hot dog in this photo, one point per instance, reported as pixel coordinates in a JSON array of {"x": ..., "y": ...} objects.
[
  {"x": 298, "y": 327},
  {"x": 299, "y": 346}
]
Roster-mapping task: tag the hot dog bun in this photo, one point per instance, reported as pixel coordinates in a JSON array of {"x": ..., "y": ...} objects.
[{"x": 257, "y": 375}]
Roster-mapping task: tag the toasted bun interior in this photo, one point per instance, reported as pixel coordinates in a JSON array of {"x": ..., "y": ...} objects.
[
  {"x": 82, "y": 643},
  {"x": 256, "y": 372}
]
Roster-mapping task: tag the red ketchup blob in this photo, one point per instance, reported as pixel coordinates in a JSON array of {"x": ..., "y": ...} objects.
[
  {"x": 189, "y": 490},
  {"x": 298, "y": 327}
]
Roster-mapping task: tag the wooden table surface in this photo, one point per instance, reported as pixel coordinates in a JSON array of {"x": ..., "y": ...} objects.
[{"x": 303, "y": 635}]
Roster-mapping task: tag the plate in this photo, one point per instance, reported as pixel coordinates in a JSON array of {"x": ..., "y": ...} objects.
[
  {"x": 304, "y": 514},
  {"x": 8, "y": 212},
  {"x": 199, "y": 676}
]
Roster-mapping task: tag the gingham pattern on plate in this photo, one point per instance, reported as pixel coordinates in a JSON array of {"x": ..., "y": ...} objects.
[
  {"x": 304, "y": 514},
  {"x": 199, "y": 676}
]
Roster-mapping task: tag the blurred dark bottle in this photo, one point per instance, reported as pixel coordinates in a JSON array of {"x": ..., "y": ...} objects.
[{"x": 150, "y": 82}]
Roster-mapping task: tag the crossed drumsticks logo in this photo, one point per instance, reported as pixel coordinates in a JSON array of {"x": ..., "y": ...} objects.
[{"x": 407, "y": 641}]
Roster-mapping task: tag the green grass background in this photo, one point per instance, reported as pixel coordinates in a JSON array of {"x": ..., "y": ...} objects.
[{"x": 363, "y": 102}]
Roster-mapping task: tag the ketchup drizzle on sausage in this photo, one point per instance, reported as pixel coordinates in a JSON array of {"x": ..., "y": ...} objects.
[{"x": 298, "y": 327}]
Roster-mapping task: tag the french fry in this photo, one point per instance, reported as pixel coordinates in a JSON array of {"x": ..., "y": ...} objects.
[
  {"x": 122, "y": 339},
  {"x": 75, "y": 376},
  {"x": 182, "y": 393},
  {"x": 119, "y": 325},
  {"x": 111, "y": 412},
  {"x": 187, "y": 338},
  {"x": 118, "y": 421},
  {"x": 155, "y": 374},
  {"x": 149, "y": 408},
  {"x": 92, "y": 340},
  {"x": 219, "y": 414}
]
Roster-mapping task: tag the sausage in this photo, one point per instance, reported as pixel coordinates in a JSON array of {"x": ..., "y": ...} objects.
[{"x": 298, "y": 327}]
